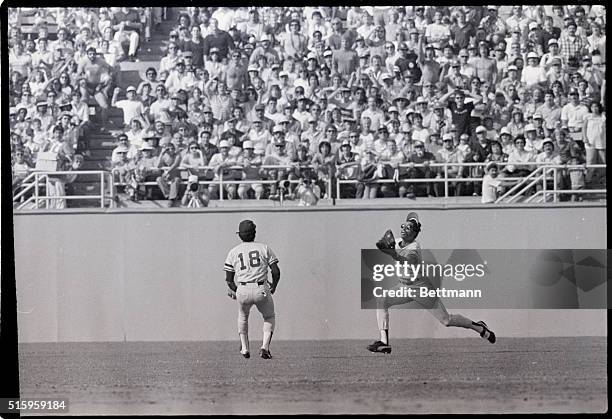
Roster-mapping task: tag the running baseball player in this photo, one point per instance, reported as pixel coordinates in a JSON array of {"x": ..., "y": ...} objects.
[
  {"x": 246, "y": 274},
  {"x": 408, "y": 249}
]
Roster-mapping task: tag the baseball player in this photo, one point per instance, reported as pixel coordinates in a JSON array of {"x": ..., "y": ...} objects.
[
  {"x": 408, "y": 249},
  {"x": 246, "y": 274}
]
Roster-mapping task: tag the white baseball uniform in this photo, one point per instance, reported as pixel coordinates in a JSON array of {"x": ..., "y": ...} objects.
[{"x": 250, "y": 262}]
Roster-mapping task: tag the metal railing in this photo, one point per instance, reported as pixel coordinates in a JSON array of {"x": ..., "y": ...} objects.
[
  {"x": 35, "y": 187},
  {"x": 221, "y": 181},
  {"x": 535, "y": 177}
]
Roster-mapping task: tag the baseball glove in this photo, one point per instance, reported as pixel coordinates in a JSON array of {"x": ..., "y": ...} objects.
[{"x": 387, "y": 241}]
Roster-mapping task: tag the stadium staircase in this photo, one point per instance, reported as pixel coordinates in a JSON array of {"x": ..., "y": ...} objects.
[{"x": 100, "y": 143}]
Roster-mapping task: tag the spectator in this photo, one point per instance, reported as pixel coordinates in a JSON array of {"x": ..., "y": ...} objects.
[
  {"x": 381, "y": 78},
  {"x": 594, "y": 131},
  {"x": 169, "y": 161}
]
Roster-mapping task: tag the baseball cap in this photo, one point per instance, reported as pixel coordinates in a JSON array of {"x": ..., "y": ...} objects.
[
  {"x": 533, "y": 25},
  {"x": 505, "y": 130},
  {"x": 529, "y": 127},
  {"x": 480, "y": 129},
  {"x": 552, "y": 41},
  {"x": 130, "y": 89},
  {"x": 311, "y": 56},
  {"x": 253, "y": 67},
  {"x": 386, "y": 76},
  {"x": 224, "y": 143},
  {"x": 447, "y": 137},
  {"x": 247, "y": 144},
  {"x": 533, "y": 54},
  {"x": 283, "y": 74},
  {"x": 512, "y": 68},
  {"x": 418, "y": 143},
  {"x": 328, "y": 52},
  {"x": 246, "y": 227},
  {"x": 146, "y": 146},
  {"x": 346, "y": 143},
  {"x": 392, "y": 109},
  {"x": 277, "y": 128}
]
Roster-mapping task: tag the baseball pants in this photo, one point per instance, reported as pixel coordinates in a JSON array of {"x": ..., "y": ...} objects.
[
  {"x": 432, "y": 304},
  {"x": 251, "y": 294}
]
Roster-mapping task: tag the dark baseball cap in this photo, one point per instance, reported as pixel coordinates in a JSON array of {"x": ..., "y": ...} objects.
[{"x": 246, "y": 227}]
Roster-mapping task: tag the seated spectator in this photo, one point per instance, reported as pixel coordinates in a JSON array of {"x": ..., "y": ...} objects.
[
  {"x": 324, "y": 163},
  {"x": 423, "y": 158},
  {"x": 519, "y": 158},
  {"x": 347, "y": 168},
  {"x": 222, "y": 163},
  {"x": 169, "y": 161},
  {"x": 251, "y": 162},
  {"x": 147, "y": 170},
  {"x": 449, "y": 154}
]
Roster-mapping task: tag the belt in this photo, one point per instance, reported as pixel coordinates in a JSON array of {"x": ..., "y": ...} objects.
[
  {"x": 258, "y": 283},
  {"x": 575, "y": 129}
]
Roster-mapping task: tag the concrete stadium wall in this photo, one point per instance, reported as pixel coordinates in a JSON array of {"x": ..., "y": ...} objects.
[{"x": 117, "y": 276}]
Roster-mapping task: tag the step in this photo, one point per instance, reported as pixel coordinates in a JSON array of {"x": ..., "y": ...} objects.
[
  {"x": 99, "y": 153},
  {"x": 101, "y": 143}
]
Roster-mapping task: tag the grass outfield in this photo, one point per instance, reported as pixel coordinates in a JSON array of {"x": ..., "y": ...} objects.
[{"x": 420, "y": 376}]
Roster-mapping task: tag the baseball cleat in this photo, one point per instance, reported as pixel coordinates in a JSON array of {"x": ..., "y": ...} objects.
[
  {"x": 486, "y": 332},
  {"x": 265, "y": 354},
  {"x": 379, "y": 346},
  {"x": 247, "y": 355}
]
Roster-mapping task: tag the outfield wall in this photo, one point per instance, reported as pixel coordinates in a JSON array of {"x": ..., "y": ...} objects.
[{"x": 140, "y": 276}]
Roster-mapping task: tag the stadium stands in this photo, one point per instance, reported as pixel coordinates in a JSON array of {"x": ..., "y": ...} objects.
[{"x": 341, "y": 102}]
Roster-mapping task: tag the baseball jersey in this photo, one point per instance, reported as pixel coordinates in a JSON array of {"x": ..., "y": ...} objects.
[
  {"x": 250, "y": 261},
  {"x": 412, "y": 251}
]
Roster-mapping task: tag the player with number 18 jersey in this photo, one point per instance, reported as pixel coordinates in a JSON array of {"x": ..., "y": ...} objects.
[{"x": 246, "y": 273}]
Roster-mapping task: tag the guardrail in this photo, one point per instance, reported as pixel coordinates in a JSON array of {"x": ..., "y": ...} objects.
[
  {"x": 30, "y": 190},
  {"x": 37, "y": 182},
  {"x": 221, "y": 181},
  {"x": 536, "y": 175}
]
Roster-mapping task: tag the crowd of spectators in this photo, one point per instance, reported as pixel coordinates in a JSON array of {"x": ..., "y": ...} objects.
[{"x": 324, "y": 93}]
